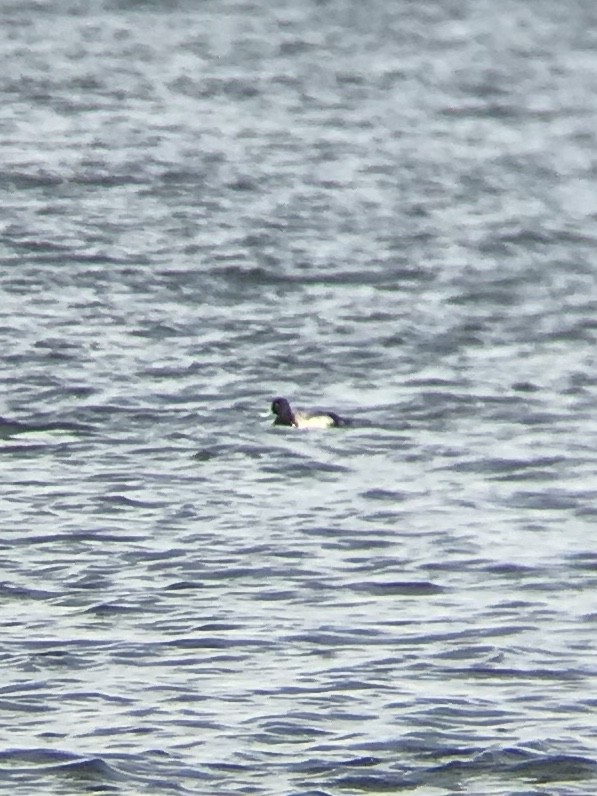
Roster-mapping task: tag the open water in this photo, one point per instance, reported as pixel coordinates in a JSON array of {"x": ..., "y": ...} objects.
[{"x": 387, "y": 209}]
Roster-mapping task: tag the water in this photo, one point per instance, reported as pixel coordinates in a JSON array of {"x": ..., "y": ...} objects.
[{"x": 386, "y": 210}]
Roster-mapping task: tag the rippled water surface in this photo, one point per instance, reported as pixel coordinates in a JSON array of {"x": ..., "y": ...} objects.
[{"x": 385, "y": 209}]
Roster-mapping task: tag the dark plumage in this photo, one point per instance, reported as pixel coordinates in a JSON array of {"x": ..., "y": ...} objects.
[{"x": 285, "y": 416}]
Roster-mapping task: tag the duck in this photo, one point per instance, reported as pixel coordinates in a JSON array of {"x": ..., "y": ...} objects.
[{"x": 286, "y": 416}]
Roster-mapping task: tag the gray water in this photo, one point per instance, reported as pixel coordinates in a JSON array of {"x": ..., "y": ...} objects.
[{"x": 385, "y": 209}]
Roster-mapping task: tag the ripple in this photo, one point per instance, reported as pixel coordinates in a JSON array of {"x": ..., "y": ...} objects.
[{"x": 195, "y": 601}]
